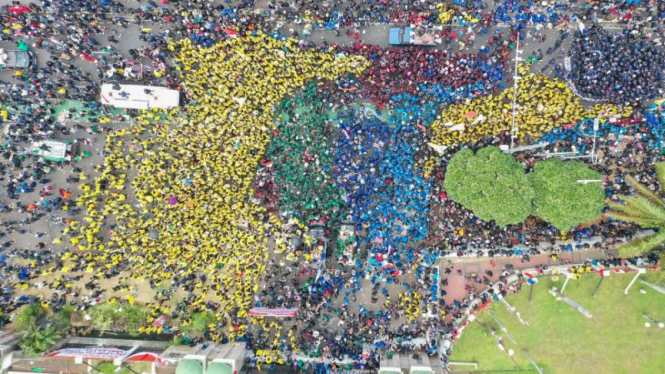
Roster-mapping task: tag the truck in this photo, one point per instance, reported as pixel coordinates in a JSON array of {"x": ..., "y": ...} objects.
[{"x": 413, "y": 35}]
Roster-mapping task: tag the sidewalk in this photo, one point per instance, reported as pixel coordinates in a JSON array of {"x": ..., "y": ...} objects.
[{"x": 456, "y": 283}]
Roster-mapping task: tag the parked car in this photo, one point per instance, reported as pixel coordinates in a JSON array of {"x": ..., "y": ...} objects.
[{"x": 18, "y": 60}]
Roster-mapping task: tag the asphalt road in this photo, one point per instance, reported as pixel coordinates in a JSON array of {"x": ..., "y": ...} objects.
[{"x": 373, "y": 34}]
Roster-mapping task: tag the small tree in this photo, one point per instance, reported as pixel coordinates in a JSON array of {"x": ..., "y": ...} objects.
[
  {"x": 645, "y": 208},
  {"x": 560, "y": 198},
  {"x": 39, "y": 340},
  {"x": 102, "y": 317},
  {"x": 491, "y": 184}
]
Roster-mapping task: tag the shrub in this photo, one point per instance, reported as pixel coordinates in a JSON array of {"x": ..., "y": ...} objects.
[{"x": 30, "y": 316}]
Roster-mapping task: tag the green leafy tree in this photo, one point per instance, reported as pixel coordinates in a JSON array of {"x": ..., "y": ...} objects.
[
  {"x": 32, "y": 315},
  {"x": 200, "y": 321},
  {"x": 39, "y": 340},
  {"x": 491, "y": 184},
  {"x": 646, "y": 209},
  {"x": 562, "y": 200}
]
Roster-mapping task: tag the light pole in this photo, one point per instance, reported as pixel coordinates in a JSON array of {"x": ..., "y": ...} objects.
[
  {"x": 596, "y": 126},
  {"x": 516, "y": 78}
]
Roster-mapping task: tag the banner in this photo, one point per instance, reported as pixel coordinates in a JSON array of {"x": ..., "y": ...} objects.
[
  {"x": 274, "y": 312},
  {"x": 108, "y": 354}
]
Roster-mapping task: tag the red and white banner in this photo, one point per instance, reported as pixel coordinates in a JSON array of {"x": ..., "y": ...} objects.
[
  {"x": 97, "y": 353},
  {"x": 274, "y": 312}
]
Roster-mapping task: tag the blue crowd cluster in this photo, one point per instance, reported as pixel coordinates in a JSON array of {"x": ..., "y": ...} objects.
[
  {"x": 376, "y": 167},
  {"x": 519, "y": 13},
  {"x": 581, "y": 135}
]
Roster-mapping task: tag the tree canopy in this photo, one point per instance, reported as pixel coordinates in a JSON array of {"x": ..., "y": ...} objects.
[
  {"x": 491, "y": 184},
  {"x": 495, "y": 187},
  {"x": 559, "y": 196}
]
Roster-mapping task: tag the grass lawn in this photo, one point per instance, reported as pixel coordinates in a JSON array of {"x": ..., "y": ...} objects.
[{"x": 562, "y": 340}]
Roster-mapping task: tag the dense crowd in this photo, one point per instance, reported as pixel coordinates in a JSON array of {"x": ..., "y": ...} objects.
[
  {"x": 219, "y": 199},
  {"x": 622, "y": 68}
]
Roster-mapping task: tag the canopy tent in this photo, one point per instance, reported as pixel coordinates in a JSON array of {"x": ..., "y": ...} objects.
[
  {"x": 189, "y": 366},
  {"x": 219, "y": 368}
]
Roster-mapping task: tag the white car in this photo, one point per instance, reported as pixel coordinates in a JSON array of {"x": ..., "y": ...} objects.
[{"x": 18, "y": 60}]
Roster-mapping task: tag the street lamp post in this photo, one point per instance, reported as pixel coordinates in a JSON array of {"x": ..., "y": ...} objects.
[
  {"x": 516, "y": 78},
  {"x": 596, "y": 126}
]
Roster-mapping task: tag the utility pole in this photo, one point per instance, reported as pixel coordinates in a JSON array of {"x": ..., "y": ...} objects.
[
  {"x": 596, "y": 126},
  {"x": 513, "y": 130}
]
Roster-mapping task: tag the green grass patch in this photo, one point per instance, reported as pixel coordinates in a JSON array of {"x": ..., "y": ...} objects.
[{"x": 562, "y": 340}]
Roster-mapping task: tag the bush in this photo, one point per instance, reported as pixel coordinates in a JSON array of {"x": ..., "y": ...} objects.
[
  {"x": 30, "y": 316},
  {"x": 560, "y": 199},
  {"x": 62, "y": 319},
  {"x": 491, "y": 184},
  {"x": 105, "y": 317},
  {"x": 106, "y": 367}
]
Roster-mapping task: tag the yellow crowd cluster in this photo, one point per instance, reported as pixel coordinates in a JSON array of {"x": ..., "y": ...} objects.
[
  {"x": 410, "y": 303},
  {"x": 542, "y": 104},
  {"x": 179, "y": 191}
]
